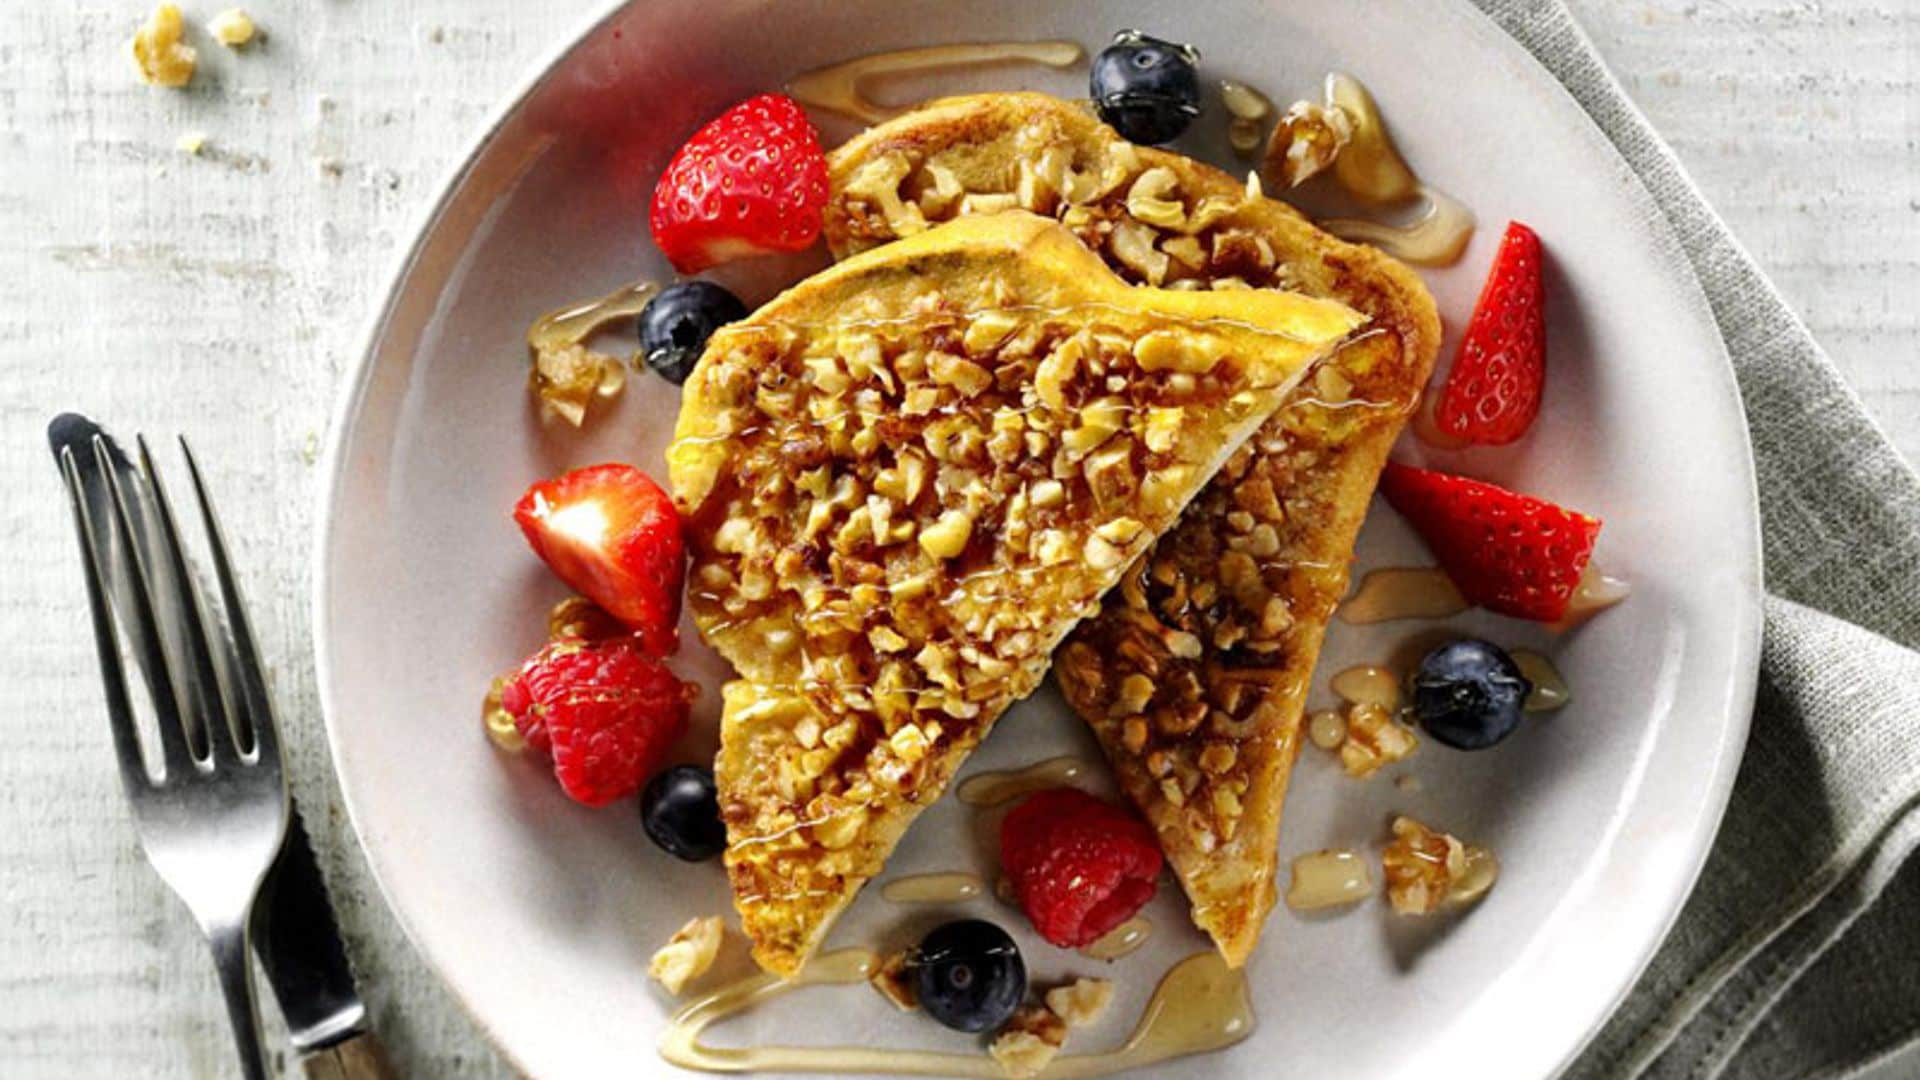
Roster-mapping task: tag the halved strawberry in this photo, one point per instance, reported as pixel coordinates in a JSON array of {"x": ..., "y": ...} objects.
[
  {"x": 1507, "y": 552},
  {"x": 1493, "y": 392},
  {"x": 752, "y": 182},
  {"x": 614, "y": 536}
]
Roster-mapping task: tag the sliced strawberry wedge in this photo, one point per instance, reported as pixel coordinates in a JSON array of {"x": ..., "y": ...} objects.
[
  {"x": 1493, "y": 392},
  {"x": 1507, "y": 552},
  {"x": 752, "y": 182},
  {"x": 612, "y": 534}
]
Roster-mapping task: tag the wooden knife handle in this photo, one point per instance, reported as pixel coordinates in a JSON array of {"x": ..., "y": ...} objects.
[{"x": 359, "y": 1058}]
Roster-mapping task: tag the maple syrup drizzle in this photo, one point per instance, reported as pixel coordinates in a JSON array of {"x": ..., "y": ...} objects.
[
  {"x": 1120, "y": 941},
  {"x": 1200, "y": 1005},
  {"x": 839, "y": 87},
  {"x": 1368, "y": 684},
  {"x": 1549, "y": 687},
  {"x": 942, "y": 888},
  {"x": 1402, "y": 592},
  {"x": 575, "y": 323},
  {"x": 994, "y": 788},
  {"x": 1371, "y": 169}
]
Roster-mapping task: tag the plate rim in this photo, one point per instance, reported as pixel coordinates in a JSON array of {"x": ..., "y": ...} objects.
[{"x": 345, "y": 413}]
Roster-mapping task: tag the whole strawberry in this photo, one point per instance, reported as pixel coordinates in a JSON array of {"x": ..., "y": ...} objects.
[
  {"x": 1079, "y": 866},
  {"x": 1493, "y": 392},
  {"x": 752, "y": 182},
  {"x": 612, "y": 534},
  {"x": 605, "y": 710},
  {"x": 1507, "y": 552}
]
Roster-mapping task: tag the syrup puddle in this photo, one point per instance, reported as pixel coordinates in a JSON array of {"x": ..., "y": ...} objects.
[
  {"x": 994, "y": 788},
  {"x": 1247, "y": 112},
  {"x": 943, "y": 888},
  {"x": 1331, "y": 878},
  {"x": 839, "y": 88},
  {"x": 1200, "y": 1005},
  {"x": 1122, "y": 940},
  {"x": 1399, "y": 592},
  {"x": 1371, "y": 169},
  {"x": 1549, "y": 686}
]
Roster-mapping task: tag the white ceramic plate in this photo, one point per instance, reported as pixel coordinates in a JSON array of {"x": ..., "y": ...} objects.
[{"x": 542, "y": 915}]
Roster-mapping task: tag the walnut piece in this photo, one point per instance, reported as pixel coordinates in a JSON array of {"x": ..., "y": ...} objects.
[
  {"x": 1426, "y": 869},
  {"x": 1307, "y": 140},
  {"x": 1029, "y": 1042},
  {"x": 1081, "y": 1002},
  {"x": 688, "y": 954},
  {"x": 158, "y": 53},
  {"x": 232, "y": 28},
  {"x": 1374, "y": 738},
  {"x": 892, "y": 978}
]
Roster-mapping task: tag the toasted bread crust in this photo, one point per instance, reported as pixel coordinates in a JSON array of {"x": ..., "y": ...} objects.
[{"x": 1205, "y": 745}]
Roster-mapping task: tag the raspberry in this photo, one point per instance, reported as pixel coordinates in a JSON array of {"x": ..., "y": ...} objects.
[
  {"x": 1079, "y": 866},
  {"x": 606, "y": 710}
]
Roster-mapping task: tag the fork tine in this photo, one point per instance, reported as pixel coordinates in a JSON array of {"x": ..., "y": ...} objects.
[
  {"x": 126, "y": 740},
  {"x": 151, "y": 650},
  {"x": 203, "y": 685},
  {"x": 250, "y": 691}
]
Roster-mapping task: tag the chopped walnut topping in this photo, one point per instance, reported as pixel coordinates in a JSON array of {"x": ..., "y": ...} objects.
[
  {"x": 1426, "y": 869},
  {"x": 1029, "y": 1042},
  {"x": 162, "y": 58},
  {"x": 1082, "y": 1002},
  {"x": 1374, "y": 738},
  {"x": 688, "y": 954}
]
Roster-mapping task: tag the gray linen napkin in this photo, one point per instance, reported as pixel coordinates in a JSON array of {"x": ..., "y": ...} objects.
[{"x": 1798, "y": 953}]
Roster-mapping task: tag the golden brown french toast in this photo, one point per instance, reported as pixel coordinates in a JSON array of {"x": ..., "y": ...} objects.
[
  {"x": 904, "y": 480},
  {"x": 1195, "y": 673}
]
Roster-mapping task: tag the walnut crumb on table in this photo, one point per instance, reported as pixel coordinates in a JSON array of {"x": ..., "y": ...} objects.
[
  {"x": 688, "y": 954},
  {"x": 232, "y": 28},
  {"x": 1081, "y": 1002},
  {"x": 158, "y": 53}
]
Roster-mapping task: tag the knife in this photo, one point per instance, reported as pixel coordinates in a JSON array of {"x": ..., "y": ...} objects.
[{"x": 299, "y": 945}]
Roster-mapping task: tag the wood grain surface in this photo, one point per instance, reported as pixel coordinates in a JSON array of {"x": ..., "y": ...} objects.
[{"x": 224, "y": 294}]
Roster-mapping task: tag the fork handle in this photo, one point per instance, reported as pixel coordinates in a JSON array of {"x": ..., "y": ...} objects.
[
  {"x": 362, "y": 1057},
  {"x": 231, "y": 958}
]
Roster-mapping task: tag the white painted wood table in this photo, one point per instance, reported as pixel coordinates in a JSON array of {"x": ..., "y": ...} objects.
[{"x": 223, "y": 295}]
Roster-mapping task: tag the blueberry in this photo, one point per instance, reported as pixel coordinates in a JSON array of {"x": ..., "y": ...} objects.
[
  {"x": 969, "y": 975},
  {"x": 1469, "y": 694},
  {"x": 681, "y": 812},
  {"x": 675, "y": 325},
  {"x": 1147, "y": 89}
]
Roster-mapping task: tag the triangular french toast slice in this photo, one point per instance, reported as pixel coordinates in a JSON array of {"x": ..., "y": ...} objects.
[
  {"x": 904, "y": 480},
  {"x": 1195, "y": 673}
]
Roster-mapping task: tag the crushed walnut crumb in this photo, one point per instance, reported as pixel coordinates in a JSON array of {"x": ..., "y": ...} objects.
[
  {"x": 1374, "y": 738},
  {"x": 1306, "y": 141},
  {"x": 1029, "y": 1042},
  {"x": 688, "y": 954},
  {"x": 232, "y": 28},
  {"x": 159, "y": 54},
  {"x": 892, "y": 978},
  {"x": 1426, "y": 869},
  {"x": 1081, "y": 1002}
]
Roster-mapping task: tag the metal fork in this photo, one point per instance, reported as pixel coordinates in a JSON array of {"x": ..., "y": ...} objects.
[{"x": 213, "y": 816}]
